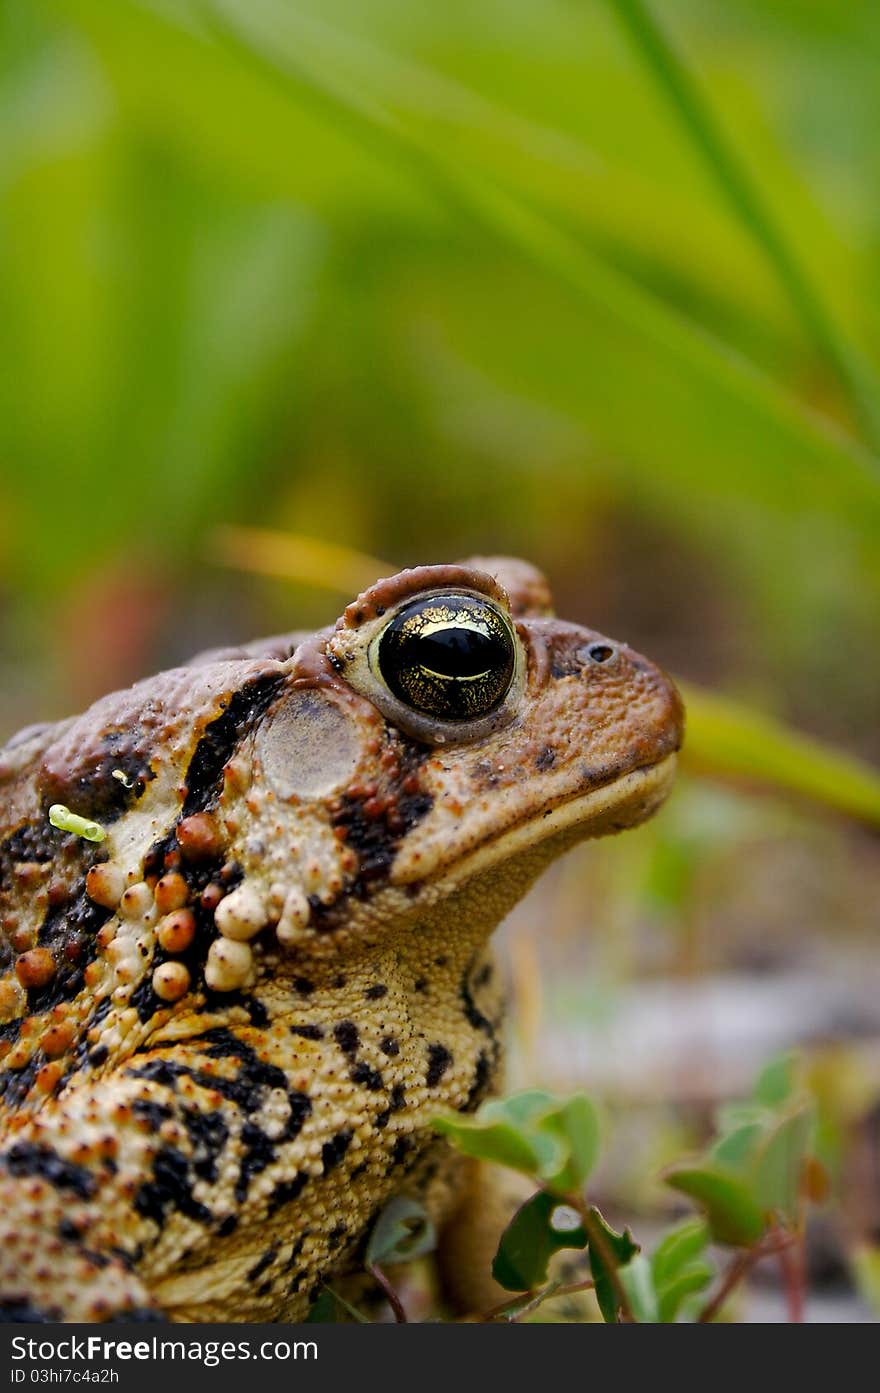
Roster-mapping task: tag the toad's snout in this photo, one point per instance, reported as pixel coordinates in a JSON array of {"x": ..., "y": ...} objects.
[{"x": 603, "y": 703}]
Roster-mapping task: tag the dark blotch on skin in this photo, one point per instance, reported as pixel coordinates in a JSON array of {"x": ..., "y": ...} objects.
[
  {"x": 365, "y": 1076},
  {"x": 376, "y": 992},
  {"x": 347, "y": 1037},
  {"x": 208, "y": 1136},
  {"x": 90, "y": 787},
  {"x": 170, "y": 1188},
  {"x": 262, "y": 1263},
  {"x": 160, "y": 1070},
  {"x": 297, "y": 1249},
  {"x": 546, "y": 759},
  {"x": 204, "y": 777},
  {"x": 260, "y": 1152},
  {"x": 307, "y": 1032},
  {"x": 376, "y": 838},
  {"x": 246, "y": 1090},
  {"x": 439, "y": 1060},
  {"x": 390, "y": 1046},
  {"x": 479, "y": 1085},
  {"x": 402, "y": 1148},
  {"x": 144, "y": 999},
  {"x": 287, "y": 1190},
  {"x": 483, "y": 976},
  {"x": 152, "y": 1113},
  {"x": 26, "y": 1158},
  {"x": 68, "y": 931},
  {"x": 473, "y": 1014},
  {"x": 333, "y": 1151}
]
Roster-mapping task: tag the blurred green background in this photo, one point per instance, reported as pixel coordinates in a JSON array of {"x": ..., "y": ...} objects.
[{"x": 419, "y": 280}]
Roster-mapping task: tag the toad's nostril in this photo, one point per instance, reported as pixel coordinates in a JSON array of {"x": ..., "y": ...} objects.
[{"x": 598, "y": 652}]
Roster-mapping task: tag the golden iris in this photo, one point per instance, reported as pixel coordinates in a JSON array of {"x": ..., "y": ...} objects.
[{"x": 450, "y": 656}]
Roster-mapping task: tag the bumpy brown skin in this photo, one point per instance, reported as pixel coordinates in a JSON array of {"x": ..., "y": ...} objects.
[{"x": 316, "y": 889}]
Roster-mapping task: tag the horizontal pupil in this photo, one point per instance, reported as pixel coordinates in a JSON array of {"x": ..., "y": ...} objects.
[
  {"x": 448, "y": 656},
  {"x": 457, "y": 652}
]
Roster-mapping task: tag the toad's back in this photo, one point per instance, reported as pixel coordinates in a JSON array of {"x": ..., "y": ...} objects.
[{"x": 226, "y": 1024}]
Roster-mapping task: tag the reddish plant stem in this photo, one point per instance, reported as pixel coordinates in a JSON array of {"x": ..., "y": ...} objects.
[
  {"x": 774, "y": 1243},
  {"x": 391, "y": 1295},
  {"x": 734, "y": 1274},
  {"x": 792, "y": 1260}
]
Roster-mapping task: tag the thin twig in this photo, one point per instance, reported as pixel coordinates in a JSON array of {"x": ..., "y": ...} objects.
[
  {"x": 599, "y": 1243},
  {"x": 551, "y": 1289}
]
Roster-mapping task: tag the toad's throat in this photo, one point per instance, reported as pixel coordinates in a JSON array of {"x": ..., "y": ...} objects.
[{"x": 623, "y": 801}]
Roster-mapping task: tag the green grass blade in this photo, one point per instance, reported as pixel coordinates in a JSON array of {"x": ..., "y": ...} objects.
[
  {"x": 683, "y": 93},
  {"x": 692, "y": 424},
  {"x": 812, "y": 452}
]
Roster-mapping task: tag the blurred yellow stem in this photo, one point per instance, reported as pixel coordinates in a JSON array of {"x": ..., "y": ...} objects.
[
  {"x": 291, "y": 556},
  {"x": 729, "y": 740}
]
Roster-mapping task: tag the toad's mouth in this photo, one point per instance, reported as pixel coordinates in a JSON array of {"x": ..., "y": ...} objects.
[{"x": 624, "y": 801}]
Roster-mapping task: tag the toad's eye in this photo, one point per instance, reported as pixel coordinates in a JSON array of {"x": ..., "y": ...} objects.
[{"x": 449, "y": 656}]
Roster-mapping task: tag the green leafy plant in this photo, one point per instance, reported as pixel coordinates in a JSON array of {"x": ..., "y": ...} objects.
[{"x": 752, "y": 1185}]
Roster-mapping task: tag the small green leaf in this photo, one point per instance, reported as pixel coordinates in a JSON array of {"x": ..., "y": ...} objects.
[
  {"x": 678, "y": 1248},
  {"x": 730, "y": 1116},
  {"x": 693, "y": 1279},
  {"x": 553, "y": 1140},
  {"x": 402, "y": 1232},
  {"x": 530, "y": 1240},
  {"x": 737, "y": 1148},
  {"x": 777, "y": 1081},
  {"x": 501, "y": 1143},
  {"x": 779, "y": 1164},
  {"x": 518, "y": 1109},
  {"x": 679, "y": 1268},
  {"x": 639, "y": 1287},
  {"x": 576, "y": 1124},
  {"x": 734, "y": 1216},
  {"x": 612, "y": 1252}
]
